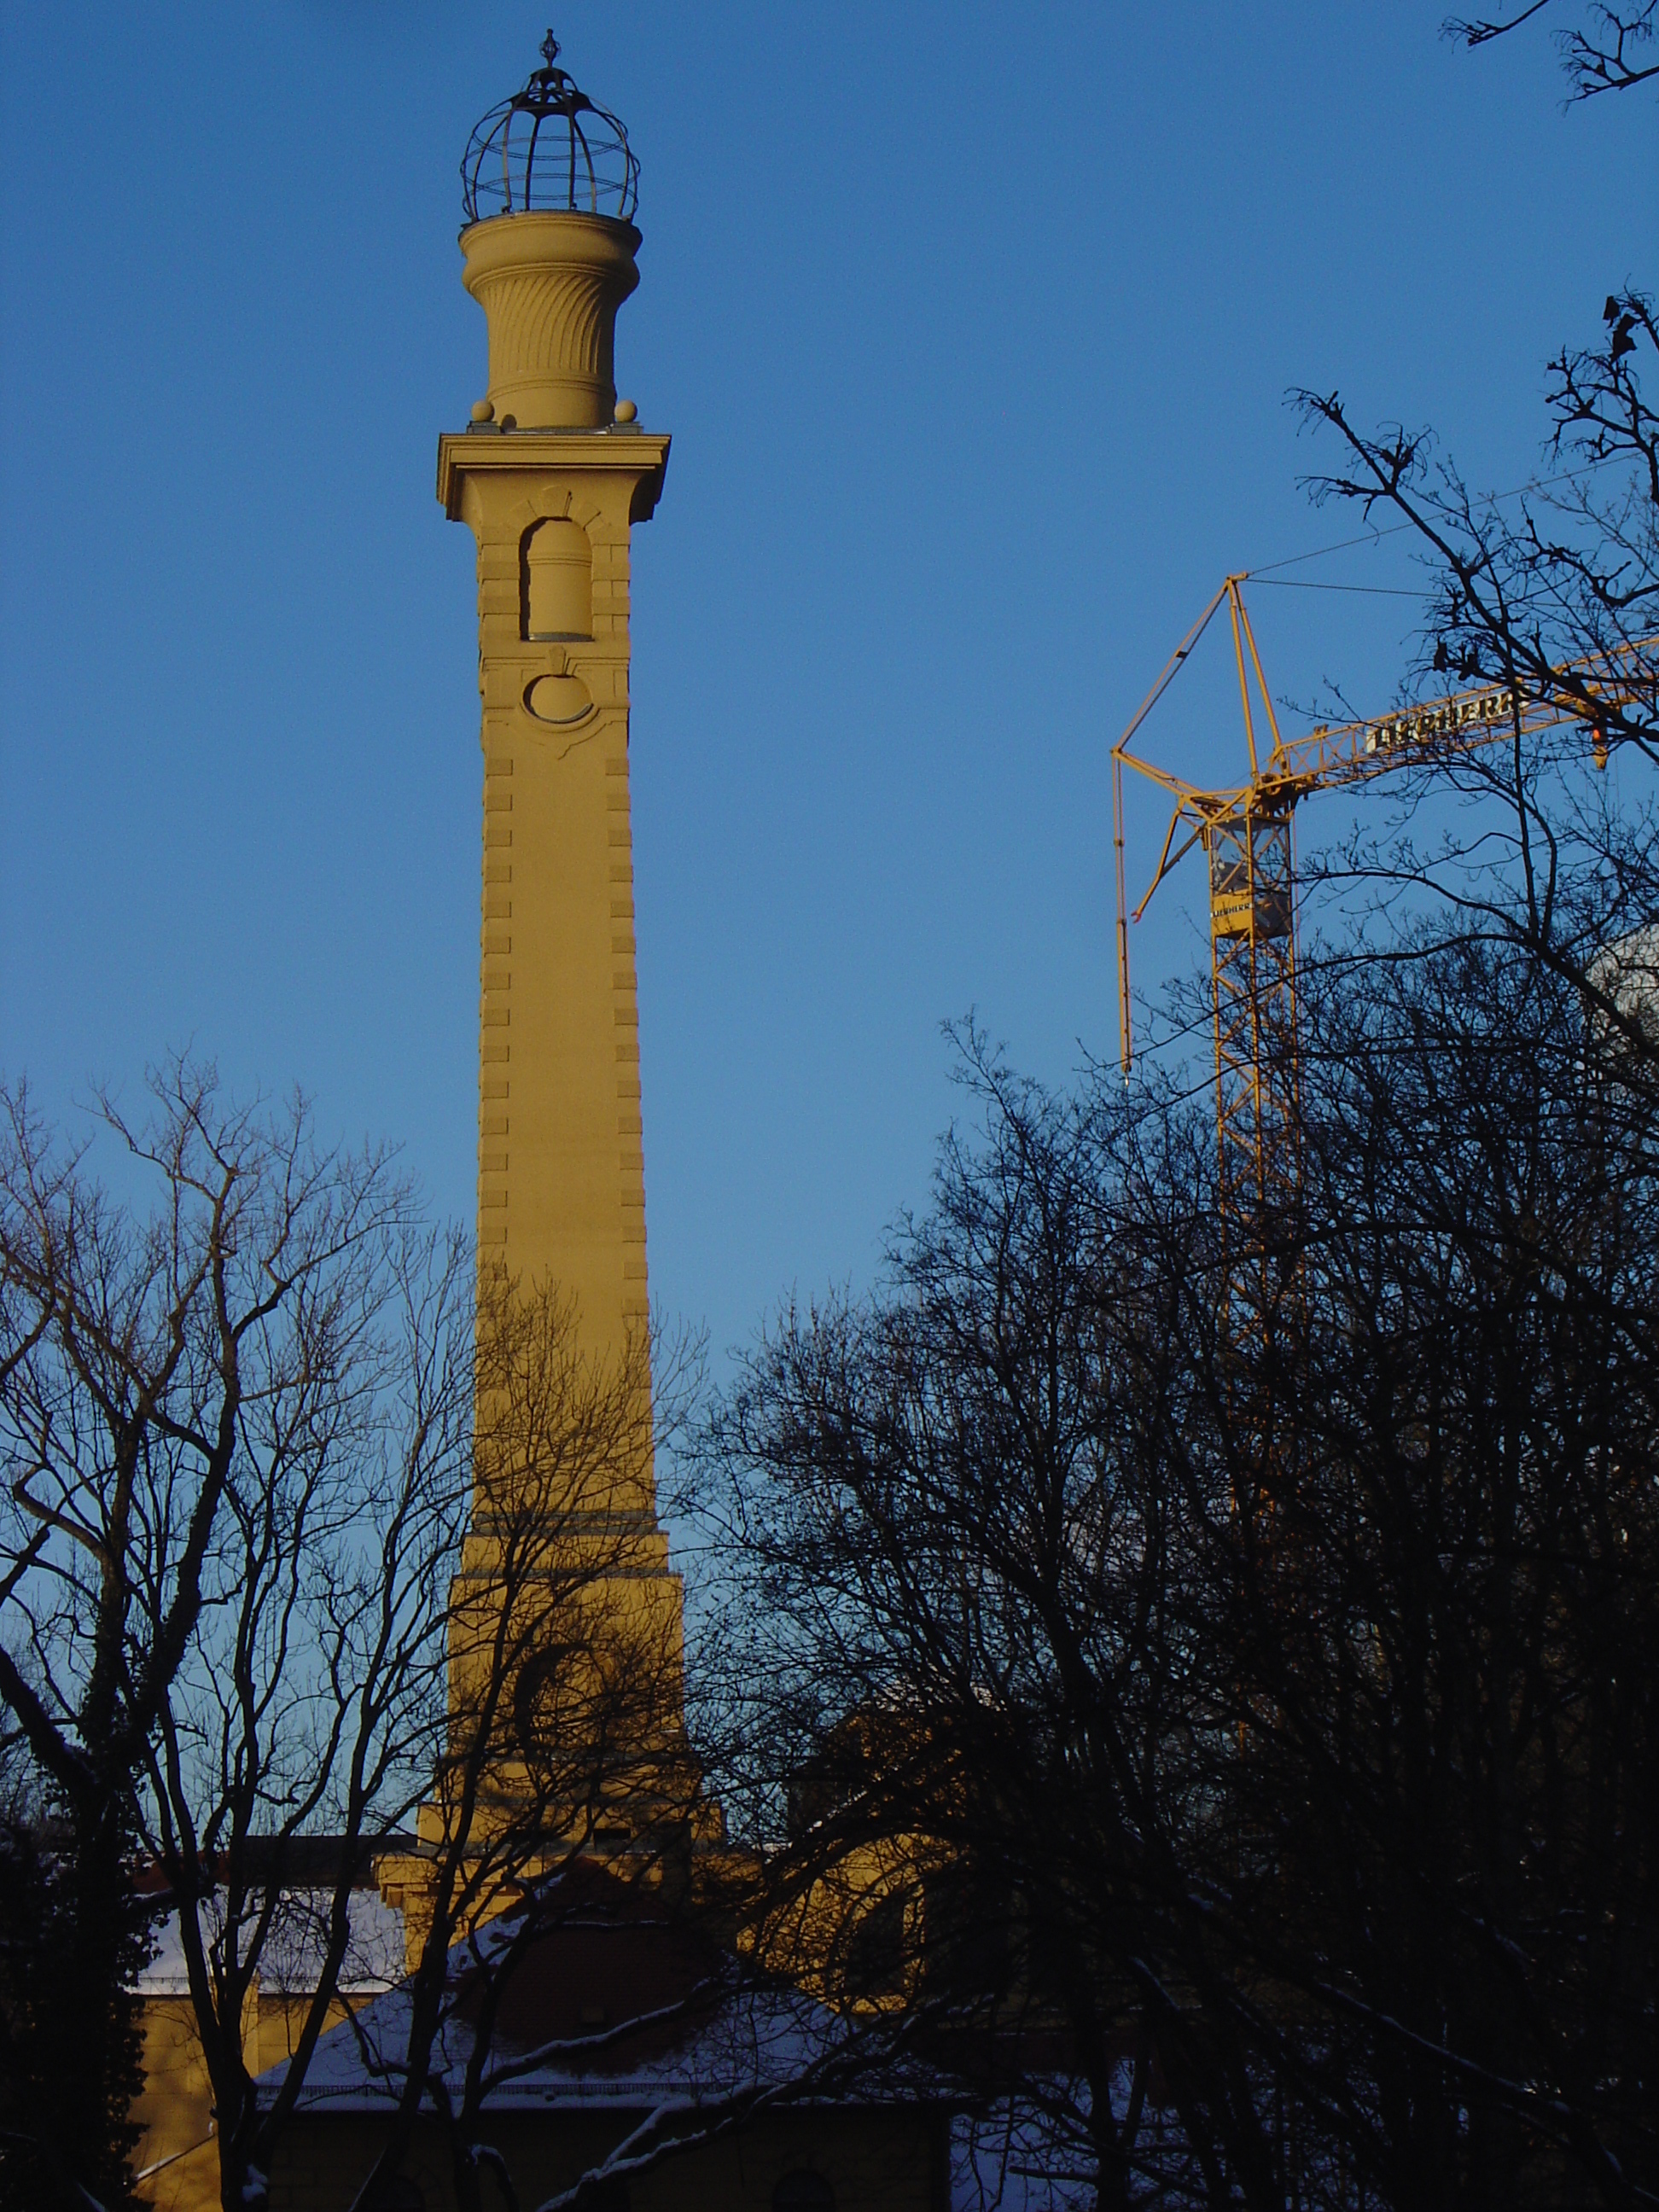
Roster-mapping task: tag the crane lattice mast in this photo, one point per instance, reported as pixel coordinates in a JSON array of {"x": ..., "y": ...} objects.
[{"x": 1247, "y": 833}]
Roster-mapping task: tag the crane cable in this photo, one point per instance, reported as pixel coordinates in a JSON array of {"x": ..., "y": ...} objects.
[{"x": 1393, "y": 530}]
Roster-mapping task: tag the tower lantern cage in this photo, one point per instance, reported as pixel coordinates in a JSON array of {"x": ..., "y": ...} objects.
[{"x": 550, "y": 148}]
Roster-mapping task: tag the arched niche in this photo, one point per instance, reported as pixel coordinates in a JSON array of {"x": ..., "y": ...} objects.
[{"x": 555, "y": 582}]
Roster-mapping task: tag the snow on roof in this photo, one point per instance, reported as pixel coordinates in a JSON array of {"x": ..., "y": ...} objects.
[
  {"x": 610, "y": 2007},
  {"x": 754, "y": 2039},
  {"x": 291, "y": 1959}
]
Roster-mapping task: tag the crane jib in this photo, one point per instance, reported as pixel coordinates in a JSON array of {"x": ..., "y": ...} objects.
[{"x": 1450, "y": 718}]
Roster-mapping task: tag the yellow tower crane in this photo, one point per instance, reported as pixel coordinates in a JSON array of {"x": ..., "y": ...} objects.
[{"x": 1246, "y": 831}]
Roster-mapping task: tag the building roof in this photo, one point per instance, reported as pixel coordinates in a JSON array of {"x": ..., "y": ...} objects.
[
  {"x": 612, "y": 2007},
  {"x": 291, "y": 1957}
]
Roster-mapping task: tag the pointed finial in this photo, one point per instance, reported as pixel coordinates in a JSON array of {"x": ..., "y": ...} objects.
[{"x": 550, "y": 50}]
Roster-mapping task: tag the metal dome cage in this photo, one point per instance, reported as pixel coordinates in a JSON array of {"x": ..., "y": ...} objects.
[{"x": 550, "y": 148}]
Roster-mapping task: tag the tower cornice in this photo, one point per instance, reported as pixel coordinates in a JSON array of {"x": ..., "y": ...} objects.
[{"x": 621, "y": 450}]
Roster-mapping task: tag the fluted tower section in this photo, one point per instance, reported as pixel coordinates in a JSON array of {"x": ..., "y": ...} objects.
[{"x": 550, "y": 286}]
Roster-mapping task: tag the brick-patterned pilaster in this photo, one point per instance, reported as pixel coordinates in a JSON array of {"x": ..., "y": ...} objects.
[{"x": 560, "y": 1158}]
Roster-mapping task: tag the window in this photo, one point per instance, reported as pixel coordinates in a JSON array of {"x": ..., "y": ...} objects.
[{"x": 875, "y": 1951}]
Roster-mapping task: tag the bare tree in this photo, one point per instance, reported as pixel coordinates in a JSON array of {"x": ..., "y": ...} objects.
[
  {"x": 968, "y": 1524},
  {"x": 1450, "y": 1762},
  {"x": 564, "y": 1745},
  {"x": 1605, "y": 51},
  {"x": 140, "y": 1360},
  {"x": 567, "y": 1807},
  {"x": 1257, "y": 1822},
  {"x": 1555, "y": 595},
  {"x": 312, "y": 1536},
  {"x": 312, "y": 1699}
]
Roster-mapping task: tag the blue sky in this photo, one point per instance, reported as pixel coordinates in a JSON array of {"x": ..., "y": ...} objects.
[{"x": 972, "y": 326}]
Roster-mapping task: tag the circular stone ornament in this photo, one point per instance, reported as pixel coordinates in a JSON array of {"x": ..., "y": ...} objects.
[{"x": 558, "y": 699}]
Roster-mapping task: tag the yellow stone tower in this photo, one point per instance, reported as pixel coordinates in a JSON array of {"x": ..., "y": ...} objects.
[{"x": 551, "y": 477}]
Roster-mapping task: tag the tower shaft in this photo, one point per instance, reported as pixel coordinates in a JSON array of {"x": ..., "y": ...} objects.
[{"x": 561, "y": 1158}]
